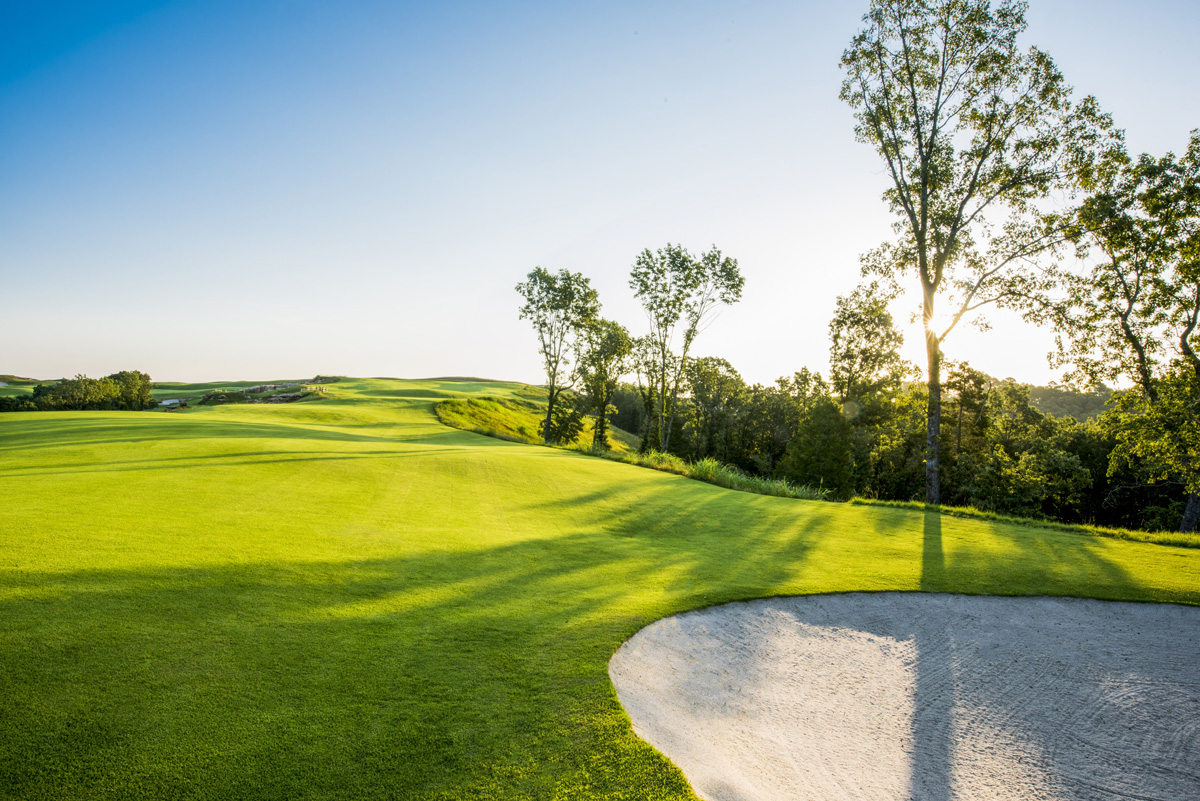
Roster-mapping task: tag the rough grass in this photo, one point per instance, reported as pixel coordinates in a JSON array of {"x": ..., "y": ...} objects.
[
  {"x": 349, "y": 600},
  {"x": 712, "y": 471}
]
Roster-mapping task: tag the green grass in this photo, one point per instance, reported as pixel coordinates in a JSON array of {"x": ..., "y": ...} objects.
[
  {"x": 348, "y": 599},
  {"x": 1182, "y": 540},
  {"x": 16, "y": 386},
  {"x": 518, "y": 419}
]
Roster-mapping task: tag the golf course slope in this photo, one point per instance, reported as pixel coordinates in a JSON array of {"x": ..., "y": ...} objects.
[
  {"x": 922, "y": 696},
  {"x": 346, "y": 599}
]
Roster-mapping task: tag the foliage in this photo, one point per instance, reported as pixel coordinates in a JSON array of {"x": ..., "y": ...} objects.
[
  {"x": 674, "y": 288},
  {"x": 716, "y": 403},
  {"x": 864, "y": 347},
  {"x": 970, "y": 129},
  {"x": 126, "y": 390},
  {"x": 894, "y": 463},
  {"x": 565, "y": 421},
  {"x": 559, "y": 306},
  {"x": 652, "y": 370},
  {"x": 821, "y": 450},
  {"x": 1135, "y": 305},
  {"x": 1066, "y": 401},
  {"x": 1162, "y": 436},
  {"x": 604, "y": 357}
]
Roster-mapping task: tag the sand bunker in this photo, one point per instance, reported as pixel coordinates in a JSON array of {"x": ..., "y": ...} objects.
[{"x": 915, "y": 696}]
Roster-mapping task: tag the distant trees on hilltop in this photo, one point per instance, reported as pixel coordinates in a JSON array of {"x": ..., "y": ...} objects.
[{"x": 127, "y": 390}]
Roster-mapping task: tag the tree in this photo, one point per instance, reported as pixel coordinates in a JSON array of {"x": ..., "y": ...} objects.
[
  {"x": 1022, "y": 466},
  {"x": 771, "y": 417},
  {"x": 1163, "y": 435},
  {"x": 558, "y": 305},
  {"x": 675, "y": 287},
  {"x": 716, "y": 393},
  {"x": 649, "y": 368},
  {"x": 821, "y": 451},
  {"x": 133, "y": 389},
  {"x": 864, "y": 346},
  {"x": 603, "y": 359},
  {"x": 970, "y": 128},
  {"x": 1131, "y": 313}
]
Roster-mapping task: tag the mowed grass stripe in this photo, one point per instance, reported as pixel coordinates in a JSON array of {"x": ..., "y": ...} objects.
[{"x": 345, "y": 599}]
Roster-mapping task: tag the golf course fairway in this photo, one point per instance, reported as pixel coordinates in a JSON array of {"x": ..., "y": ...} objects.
[{"x": 345, "y": 599}]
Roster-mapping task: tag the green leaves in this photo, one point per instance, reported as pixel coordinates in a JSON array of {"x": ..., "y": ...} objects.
[
  {"x": 972, "y": 130},
  {"x": 560, "y": 306},
  {"x": 674, "y": 286},
  {"x": 1138, "y": 297}
]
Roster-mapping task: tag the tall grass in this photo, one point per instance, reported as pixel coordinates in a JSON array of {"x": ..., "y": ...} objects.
[{"x": 711, "y": 471}]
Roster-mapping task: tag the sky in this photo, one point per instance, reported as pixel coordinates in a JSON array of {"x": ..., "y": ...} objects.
[{"x": 256, "y": 189}]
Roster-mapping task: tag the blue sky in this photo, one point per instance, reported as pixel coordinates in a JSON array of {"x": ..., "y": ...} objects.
[{"x": 224, "y": 190}]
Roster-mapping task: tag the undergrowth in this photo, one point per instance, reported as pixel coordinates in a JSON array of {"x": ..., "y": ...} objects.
[{"x": 711, "y": 471}]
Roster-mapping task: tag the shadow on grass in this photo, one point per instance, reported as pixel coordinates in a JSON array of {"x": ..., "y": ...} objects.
[
  {"x": 280, "y": 458},
  {"x": 1014, "y": 561},
  {"x": 477, "y": 674},
  {"x": 60, "y": 431},
  {"x": 453, "y": 672}
]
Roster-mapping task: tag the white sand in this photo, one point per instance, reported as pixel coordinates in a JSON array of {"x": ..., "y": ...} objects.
[{"x": 917, "y": 696}]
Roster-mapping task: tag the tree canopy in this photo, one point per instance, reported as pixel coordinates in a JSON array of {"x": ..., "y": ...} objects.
[
  {"x": 973, "y": 131},
  {"x": 677, "y": 289},
  {"x": 559, "y": 305}
]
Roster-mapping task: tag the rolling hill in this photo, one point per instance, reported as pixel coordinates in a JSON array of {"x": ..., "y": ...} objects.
[{"x": 346, "y": 599}]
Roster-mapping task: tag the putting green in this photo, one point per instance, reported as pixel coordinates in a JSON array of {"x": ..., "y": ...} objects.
[{"x": 346, "y": 599}]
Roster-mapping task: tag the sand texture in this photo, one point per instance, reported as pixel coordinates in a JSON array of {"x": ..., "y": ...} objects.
[{"x": 917, "y": 696}]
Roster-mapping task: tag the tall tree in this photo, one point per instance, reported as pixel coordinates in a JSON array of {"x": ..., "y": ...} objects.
[
  {"x": 864, "y": 346},
  {"x": 603, "y": 359},
  {"x": 1132, "y": 313},
  {"x": 678, "y": 289},
  {"x": 559, "y": 306},
  {"x": 972, "y": 130},
  {"x": 716, "y": 394},
  {"x": 648, "y": 367}
]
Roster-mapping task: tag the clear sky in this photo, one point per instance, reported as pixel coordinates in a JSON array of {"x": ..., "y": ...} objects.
[{"x": 228, "y": 189}]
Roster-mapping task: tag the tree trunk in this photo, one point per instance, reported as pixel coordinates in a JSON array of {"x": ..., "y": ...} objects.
[
  {"x": 933, "y": 422},
  {"x": 600, "y": 429},
  {"x": 1191, "y": 515},
  {"x": 549, "y": 411}
]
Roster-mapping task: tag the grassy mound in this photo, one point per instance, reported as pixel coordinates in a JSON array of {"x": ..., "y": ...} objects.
[
  {"x": 518, "y": 420},
  {"x": 349, "y": 600}
]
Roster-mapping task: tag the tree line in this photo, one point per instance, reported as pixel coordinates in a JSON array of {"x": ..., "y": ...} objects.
[
  {"x": 977, "y": 136},
  {"x": 126, "y": 390}
]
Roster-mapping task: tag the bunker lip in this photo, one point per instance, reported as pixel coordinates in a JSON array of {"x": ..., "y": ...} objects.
[{"x": 923, "y": 696}]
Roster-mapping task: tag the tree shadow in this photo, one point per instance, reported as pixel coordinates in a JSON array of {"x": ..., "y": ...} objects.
[
  {"x": 933, "y": 707},
  {"x": 456, "y": 673},
  {"x": 1017, "y": 561}
]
